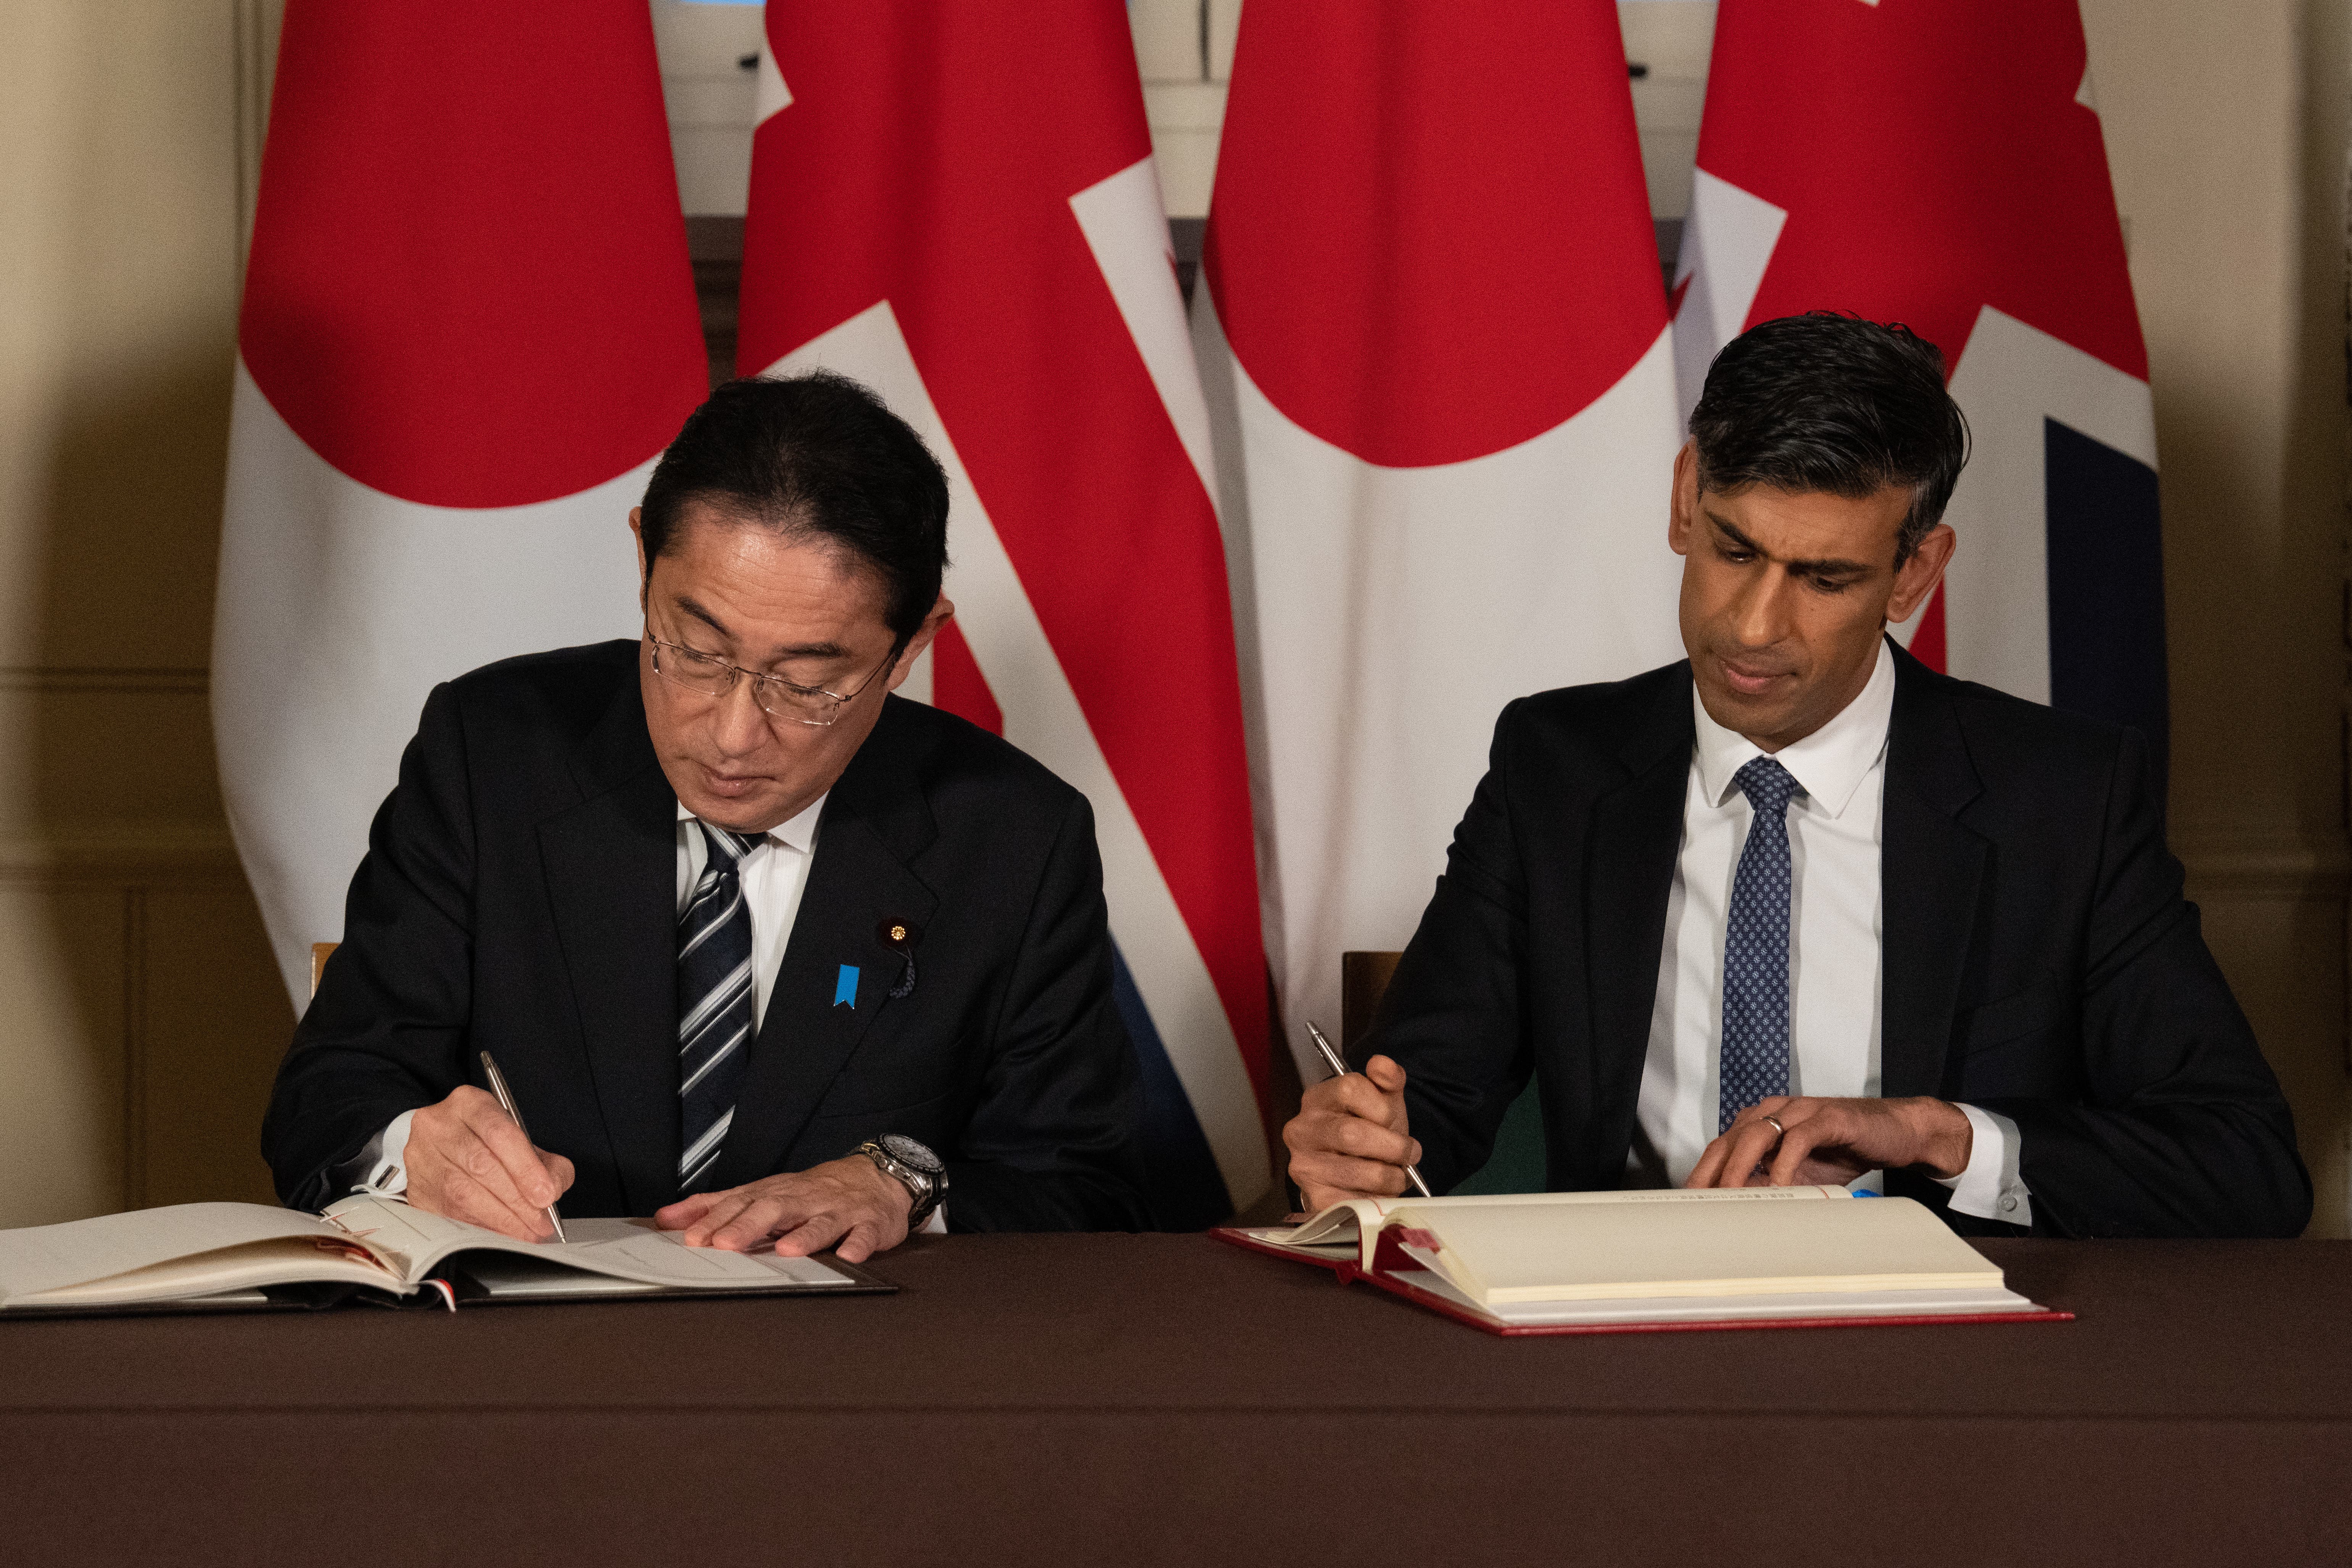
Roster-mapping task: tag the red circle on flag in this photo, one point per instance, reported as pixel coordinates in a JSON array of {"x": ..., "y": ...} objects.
[
  {"x": 1431, "y": 237},
  {"x": 469, "y": 284}
]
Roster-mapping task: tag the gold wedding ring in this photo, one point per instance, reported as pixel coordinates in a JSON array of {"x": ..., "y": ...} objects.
[{"x": 1778, "y": 1131}]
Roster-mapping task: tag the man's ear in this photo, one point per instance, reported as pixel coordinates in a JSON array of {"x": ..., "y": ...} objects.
[
  {"x": 942, "y": 612},
  {"x": 1918, "y": 576},
  {"x": 1682, "y": 508},
  {"x": 637, "y": 532}
]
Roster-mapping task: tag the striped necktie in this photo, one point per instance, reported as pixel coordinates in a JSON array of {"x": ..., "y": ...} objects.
[
  {"x": 714, "y": 1001},
  {"x": 1755, "y": 948}
]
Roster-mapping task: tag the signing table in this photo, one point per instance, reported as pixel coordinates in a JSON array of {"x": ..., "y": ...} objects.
[{"x": 1169, "y": 1399}]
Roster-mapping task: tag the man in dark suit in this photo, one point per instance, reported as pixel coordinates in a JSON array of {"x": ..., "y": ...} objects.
[
  {"x": 756, "y": 944},
  {"x": 1799, "y": 909}
]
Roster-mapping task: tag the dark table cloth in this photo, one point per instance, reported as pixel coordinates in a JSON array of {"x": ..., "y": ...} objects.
[{"x": 1169, "y": 1399}]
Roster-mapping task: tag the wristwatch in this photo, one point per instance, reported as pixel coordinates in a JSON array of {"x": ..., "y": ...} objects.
[{"x": 920, "y": 1172}]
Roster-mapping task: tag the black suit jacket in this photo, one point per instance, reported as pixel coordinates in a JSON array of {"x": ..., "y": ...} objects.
[
  {"x": 2037, "y": 959},
  {"x": 518, "y": 895}
]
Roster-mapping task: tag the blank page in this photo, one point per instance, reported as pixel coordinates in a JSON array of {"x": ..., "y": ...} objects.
[
  {"x": 50, "y": 1257},
  {"x": 284, "y": 1262},
  {"x": 1601, "y": 1251}
]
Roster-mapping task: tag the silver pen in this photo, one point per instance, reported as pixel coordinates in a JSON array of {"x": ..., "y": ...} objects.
[
  {"x": 506, "y": 1104},
  {"x": 1340, "y": 1068}
]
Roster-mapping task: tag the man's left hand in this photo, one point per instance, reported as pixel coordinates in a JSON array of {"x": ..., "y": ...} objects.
[
  {"x": 1829, "y": 1142},
  {"x": 849, "y": 1205}
]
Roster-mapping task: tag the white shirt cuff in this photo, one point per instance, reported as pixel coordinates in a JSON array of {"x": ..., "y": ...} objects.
[
  {"x": 385, "y": 1171},
  {"x": 1991, "y": 1187},
  {"x": 937, "y": 1224}
]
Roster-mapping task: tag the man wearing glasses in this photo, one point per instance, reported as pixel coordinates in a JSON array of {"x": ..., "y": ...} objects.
[{"x": 761, "y": 949}]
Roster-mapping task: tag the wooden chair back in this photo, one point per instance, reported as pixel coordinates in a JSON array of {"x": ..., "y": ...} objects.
[
  {"x": 1516, "y": 1161},
  {"x": 1363, "y": 980}
]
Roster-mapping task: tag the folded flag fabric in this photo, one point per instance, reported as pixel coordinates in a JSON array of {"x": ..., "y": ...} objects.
[
  {"x": 469, "y": 327},
  {"x": 1940, "y": 162},
  {"x": 1435, "y": 341},
  {"x": 963, "y": 215}
]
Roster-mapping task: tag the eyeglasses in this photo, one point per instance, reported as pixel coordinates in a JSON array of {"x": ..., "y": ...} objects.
[{"x": 706, "y": 676}]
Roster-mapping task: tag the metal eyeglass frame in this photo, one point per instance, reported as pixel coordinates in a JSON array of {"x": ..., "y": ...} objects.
[{"x": 760, "y": 683}]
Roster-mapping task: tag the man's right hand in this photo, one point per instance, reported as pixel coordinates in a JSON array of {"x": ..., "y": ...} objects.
[
  {"x": 1349, "y": 1137},
  {"x": 467, "y": 1160}
]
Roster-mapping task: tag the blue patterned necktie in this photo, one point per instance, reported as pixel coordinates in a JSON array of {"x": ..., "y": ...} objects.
[
  {"x": 1755, "y": 948},
  {"x": 714, "y": 1004}
]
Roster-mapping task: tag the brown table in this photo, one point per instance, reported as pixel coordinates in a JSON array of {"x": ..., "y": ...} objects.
[{"x": 1166, "y": 1398}]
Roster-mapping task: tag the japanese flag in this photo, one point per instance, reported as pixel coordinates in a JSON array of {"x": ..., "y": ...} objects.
[
  {"x": 469, "y": 327},
  {"x": 1434, "y": 342}
]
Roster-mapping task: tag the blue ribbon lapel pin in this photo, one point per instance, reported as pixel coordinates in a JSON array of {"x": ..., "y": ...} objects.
[{"x": 845, "y": 987}]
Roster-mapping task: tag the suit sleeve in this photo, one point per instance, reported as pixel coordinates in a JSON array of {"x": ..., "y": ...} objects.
[
  {"x": 2181, "y": 1130},
  {"x": 386, "y": 1031},
  {"x": 1455, "y": 1016},
  {"x": 1052, "y": 1142}
]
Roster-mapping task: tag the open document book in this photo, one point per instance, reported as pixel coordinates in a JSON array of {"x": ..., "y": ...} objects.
[
  {"x": 1584, "y": 1262},
  {"x": 231, "y": 1255}
]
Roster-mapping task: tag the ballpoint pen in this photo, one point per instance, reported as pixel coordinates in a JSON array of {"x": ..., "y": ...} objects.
[
  {"x": 506, "y": 1104},
  {"x": 1340, "y": 1068}
]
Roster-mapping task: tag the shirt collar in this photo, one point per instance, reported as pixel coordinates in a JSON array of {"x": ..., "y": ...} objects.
[
  {"x": 1831, "y": 762},
  {"x": 800, "y": 833}
]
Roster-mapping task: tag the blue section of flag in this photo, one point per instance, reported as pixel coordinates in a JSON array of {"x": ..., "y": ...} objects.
[
  {"x": 845, "y": 987},
  {"x": 1180, "y": 1174},
  {"x": 2105, "y": 556}
]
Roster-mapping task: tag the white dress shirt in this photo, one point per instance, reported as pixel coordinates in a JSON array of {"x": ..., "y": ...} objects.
[
  {"x": 1834, "y": 932},
  {"x": 774, "y": 872}
]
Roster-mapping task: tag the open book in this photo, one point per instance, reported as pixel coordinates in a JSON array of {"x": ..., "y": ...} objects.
[
  {"x": 226, "y": 1256},
  {"x": 1561, "y": 1261}
]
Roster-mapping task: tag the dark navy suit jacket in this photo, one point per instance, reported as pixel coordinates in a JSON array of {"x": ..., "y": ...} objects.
[
  {"x": 519, "y": 896},
  {"x": 2037, "y": 959}
]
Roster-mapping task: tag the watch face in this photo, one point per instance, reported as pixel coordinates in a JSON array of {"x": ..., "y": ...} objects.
[{"x": 907, "y": 1151}]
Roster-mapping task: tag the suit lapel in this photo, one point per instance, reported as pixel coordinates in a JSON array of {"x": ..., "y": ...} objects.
[
  {"x": 611, "y": 880},
  {"x": 1637, "y": 834},
  {"x": 876, "y": 821},
  {"x": 1931, "y": 870}
]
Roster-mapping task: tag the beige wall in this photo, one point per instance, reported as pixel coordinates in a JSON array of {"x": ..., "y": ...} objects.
[
  {"x": 139, "y": 1017},
  {"x": 139, "y": 1020},
  {"x": 2226, "y": 131}
]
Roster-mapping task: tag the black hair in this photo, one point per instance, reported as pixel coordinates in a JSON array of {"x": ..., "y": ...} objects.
[
  {"x": 815, "y": 456},
  {"x": 1833, "y": 403}
]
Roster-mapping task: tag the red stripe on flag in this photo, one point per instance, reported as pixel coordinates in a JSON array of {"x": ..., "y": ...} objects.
[
  {"x": 928, "y": 158},
  {"x": 1927, "y": 642},
  {"x": 1932, "y": 158},
  {"x": 957, "y": 685}
]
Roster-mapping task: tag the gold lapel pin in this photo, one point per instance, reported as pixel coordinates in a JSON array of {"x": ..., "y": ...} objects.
[{"x": 900, "y": 936}]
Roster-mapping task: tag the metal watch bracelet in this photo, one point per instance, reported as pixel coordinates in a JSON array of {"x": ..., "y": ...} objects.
[{"x": 925, "y": 1190}]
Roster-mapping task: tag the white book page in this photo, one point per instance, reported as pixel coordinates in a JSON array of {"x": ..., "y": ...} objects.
[
  {"x": 288, "y": 1260},
  {"x": 413, "y": 1241},
  {"x": 1356, "y": 1222},
  {"x": 638, "y": 1249},
  {"x": 52, "y": 1257},
  {"x": 630, "y": 1254},
  {"x": 1622, "y": 1251},
  {"x": 1730, "y": 1308}
]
